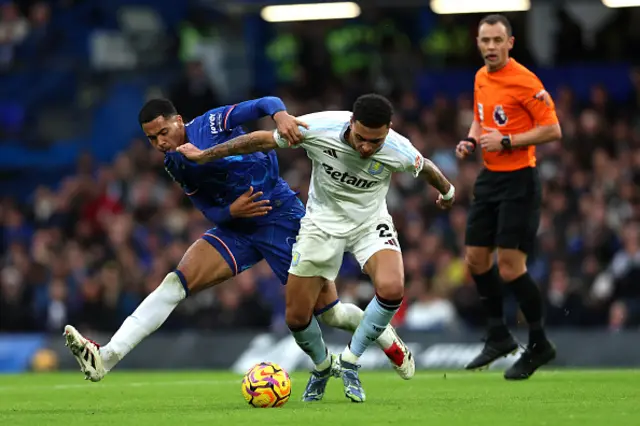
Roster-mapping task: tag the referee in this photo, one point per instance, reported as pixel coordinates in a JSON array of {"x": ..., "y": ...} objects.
[{"x": 512, "y": 114}]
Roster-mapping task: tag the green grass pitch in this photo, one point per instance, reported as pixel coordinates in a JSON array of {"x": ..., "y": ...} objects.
[{"x": 550, "y": 398}]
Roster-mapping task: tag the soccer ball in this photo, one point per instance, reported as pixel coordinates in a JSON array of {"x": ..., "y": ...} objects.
[{"x": 266, "y": 385}]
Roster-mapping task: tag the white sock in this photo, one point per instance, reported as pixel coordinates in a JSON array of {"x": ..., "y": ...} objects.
[
  {"x": 349, "y": 356},
  {"x": 151, "y": 314},
  {"x": 347, "y": 316},
  {"x": 324, "y": 364}
]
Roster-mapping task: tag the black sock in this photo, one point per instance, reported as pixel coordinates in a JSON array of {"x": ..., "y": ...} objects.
[
  {"x": 530, "y": 300},
  {"x": 489, "y": 288}
]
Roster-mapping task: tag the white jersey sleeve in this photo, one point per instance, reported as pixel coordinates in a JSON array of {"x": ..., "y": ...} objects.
[
  {"x": 321, "y": 124},
  {"x": 400, "y": 155},
  {"x": 283, "y": 143}
]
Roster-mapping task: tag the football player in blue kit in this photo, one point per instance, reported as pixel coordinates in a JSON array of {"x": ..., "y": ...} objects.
[{"x": 256, "y": 216}]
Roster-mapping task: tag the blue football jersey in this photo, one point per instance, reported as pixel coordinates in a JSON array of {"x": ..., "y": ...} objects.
[{"x": 212, "y": 187}]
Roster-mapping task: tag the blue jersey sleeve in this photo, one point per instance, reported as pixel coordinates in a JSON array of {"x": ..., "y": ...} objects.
[
  {"x": 217, "y": 215},
  {"x": 236, "y": 115}
]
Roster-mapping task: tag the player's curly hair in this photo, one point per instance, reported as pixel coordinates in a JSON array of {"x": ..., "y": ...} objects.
[
  {"x": 155, "y": 108},
  {"x": 373, "y": 111}
]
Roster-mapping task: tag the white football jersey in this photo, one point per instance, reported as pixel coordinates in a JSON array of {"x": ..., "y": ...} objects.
[{"x": 347, "y": 191}]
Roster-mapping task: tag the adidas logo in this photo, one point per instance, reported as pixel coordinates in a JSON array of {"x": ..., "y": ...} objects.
[
  {"x": 331, "y": 153},
  {"x": 392, "y": 242}
]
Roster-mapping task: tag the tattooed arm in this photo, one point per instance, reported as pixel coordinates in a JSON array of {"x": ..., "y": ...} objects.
[
  {"x": 432, "y": 174},
  {"x": 244, "y": 144},
  {"x": 404, "y": 157},
  {"x": 259, "y": 141}
]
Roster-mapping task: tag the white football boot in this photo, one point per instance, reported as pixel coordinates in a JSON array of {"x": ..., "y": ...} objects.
[
  {"x": 86, "y": 352},
  {"x": 400, "y": 357}
]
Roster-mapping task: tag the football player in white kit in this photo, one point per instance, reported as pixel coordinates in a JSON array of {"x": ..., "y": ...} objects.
[{"x": 354, "y": 155}]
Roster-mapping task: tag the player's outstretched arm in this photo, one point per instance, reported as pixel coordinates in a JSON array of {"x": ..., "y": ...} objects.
[
  {"x": 434, "y": 176},
  {"x": 288, "y": 125},
  {"x": 252, "y": 110},
  {"x": 259, "y": 141}
]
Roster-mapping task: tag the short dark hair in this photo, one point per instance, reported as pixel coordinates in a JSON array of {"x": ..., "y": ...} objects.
[
  {"x": 155, "y": 108},
  {"x": 373, "y": 110},
  {"x": 496, "y": 18}
]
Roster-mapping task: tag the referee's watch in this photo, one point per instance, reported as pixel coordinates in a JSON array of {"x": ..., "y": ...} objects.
[{"x": 506, "y": 142}]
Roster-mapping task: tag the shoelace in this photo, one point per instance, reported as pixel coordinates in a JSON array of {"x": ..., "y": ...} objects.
[
  {"x": 312, "y": 388},
  {"x": 352, "y": 377},
  {"x": 314, "y": 384}
]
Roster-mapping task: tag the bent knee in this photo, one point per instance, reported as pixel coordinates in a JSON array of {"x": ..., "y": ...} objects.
[
  {"x": 297, "y": 318},
  {"x": 510, "y": 268},
  {"x": 391, "y": 289},
  {"x": 201, "y": 280},
  {"x": 297, "y": 313},
  {"x": 203, "y": 266},
  {"x": 301, "y": 297},
  {"x": 478, "y": 259}
]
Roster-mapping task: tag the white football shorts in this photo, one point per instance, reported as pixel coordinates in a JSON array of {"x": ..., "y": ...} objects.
[{"x": 318, "y": 254}]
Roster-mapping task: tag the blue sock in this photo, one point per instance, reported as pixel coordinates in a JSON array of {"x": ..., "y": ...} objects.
[
  {"x": 310, "y": 341},
  {"x": 377, "y": 317}
]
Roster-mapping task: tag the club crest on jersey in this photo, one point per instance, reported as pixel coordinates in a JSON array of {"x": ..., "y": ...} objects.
[
  {"x": 375, "y": 168},
  {"x": 499, "y": 116},
  {"x": 295, "y": 258}
]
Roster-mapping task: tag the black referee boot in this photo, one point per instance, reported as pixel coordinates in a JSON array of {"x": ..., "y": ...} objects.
[
  {"x": 535, "y": 356},
  {"x": 499, "y": 343}
]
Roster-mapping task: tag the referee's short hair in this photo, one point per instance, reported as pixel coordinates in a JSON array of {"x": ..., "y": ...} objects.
[
  {"x": 373, "y": 111},
  {"x": 496, "y": 18}
]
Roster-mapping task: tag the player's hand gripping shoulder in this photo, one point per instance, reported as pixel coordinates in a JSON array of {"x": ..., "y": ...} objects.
[
  {"x": 438, "y": 180},
  {"x": 246, "y": 206},
  {"x": 289, "y": 127},
  {"x": 192, "y": 153}
]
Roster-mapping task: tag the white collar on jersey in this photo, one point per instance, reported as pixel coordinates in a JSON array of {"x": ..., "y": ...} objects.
[{"x": 343, "y": 132}]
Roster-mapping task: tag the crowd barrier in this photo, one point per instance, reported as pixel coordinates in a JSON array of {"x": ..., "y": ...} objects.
[{"x": 238, "y": 351}]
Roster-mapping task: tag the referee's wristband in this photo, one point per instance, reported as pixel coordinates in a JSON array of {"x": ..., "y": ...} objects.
[
  {"x": 449, "y": 195},
  {"x": 472, "y": 140}
]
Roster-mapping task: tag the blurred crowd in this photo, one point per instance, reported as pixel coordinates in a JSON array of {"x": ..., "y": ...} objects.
[
  {"x": 25, "y": 33},
  {"x": 89, "y": 251}
]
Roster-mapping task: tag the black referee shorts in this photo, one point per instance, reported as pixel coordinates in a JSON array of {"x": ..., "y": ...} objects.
[{"x": 505, "y": 211}]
